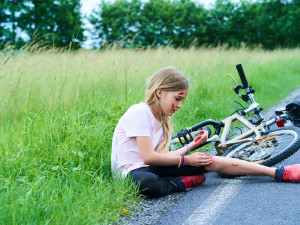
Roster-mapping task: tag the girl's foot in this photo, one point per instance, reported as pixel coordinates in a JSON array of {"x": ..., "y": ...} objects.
[
  {"x": 192, "y": 181},
  {"x": 288, "y": 173}
]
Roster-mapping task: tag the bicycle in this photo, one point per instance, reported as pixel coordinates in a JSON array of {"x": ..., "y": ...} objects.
[{"x": 254, "y": 141}]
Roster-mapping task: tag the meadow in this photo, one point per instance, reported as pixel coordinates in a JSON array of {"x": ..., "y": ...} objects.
[{"x": 59, "y": 110}]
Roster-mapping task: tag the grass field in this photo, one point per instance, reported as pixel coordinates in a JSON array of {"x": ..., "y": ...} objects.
[{"x": 59, "y": 110}]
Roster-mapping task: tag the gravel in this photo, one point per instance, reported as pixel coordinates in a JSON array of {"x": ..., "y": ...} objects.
[{"x": 148, "y": 211}]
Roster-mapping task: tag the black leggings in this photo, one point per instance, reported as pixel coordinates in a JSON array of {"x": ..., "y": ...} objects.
[{"x": 157, "y": 181}]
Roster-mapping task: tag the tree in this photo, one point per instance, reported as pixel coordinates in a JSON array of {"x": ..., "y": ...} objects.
[
  {"x": 153, "y": 23},
  {"x": 221, "y": 25},
  {"x": 3, "y": 20},
  {"x": 50, "y": 22},
  {"x": 271, "y": 18},
  {"x": 68, "y": 24},
  {"x": 179, "y": 23},
  {"x": 8, "y": 20},
  {"x": 292, "y": 24},
  {"x": 270, "y": 24},
  {"x": 191, "y": 24},
  {"x": 117, "y": 22}
]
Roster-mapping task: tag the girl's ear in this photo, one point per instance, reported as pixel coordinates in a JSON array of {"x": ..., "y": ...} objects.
[{"x": 159, "y": 92}]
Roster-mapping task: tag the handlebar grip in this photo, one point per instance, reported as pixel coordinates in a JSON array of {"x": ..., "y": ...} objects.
[{"x": 242, "y": 75}]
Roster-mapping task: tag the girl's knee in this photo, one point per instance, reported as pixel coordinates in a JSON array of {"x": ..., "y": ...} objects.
[{"x": 217, "y": 163}]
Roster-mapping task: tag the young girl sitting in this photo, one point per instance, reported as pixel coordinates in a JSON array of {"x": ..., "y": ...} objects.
[{"x": 140, "y": 147}]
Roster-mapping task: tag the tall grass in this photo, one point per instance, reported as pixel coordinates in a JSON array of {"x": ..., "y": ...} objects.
[{"x": 59, "y": 110}]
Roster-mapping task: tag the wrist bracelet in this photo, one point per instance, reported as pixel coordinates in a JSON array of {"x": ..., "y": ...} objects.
[
  {"x": 183, "y": 160},
  {"x": 179, "y": 161}
]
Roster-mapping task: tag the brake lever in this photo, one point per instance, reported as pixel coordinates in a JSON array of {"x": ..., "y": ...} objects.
[
  {"x": 233, "y": 80},
  {"x": 236, "y": 87}
]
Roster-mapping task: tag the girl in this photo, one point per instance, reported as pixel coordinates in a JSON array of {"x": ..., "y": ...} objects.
[{"x": 140, "y": 147}]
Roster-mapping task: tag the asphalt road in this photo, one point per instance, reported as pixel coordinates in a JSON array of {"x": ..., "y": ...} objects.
[{"x": 246, "y": 200}]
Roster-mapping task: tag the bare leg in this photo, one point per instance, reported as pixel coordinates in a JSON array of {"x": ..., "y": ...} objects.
[{"x": 238, "y": 167}]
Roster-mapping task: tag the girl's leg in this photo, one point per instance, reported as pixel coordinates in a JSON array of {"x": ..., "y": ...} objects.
[
  {"x": 239, "y": 167},
  {"x": 175, "y": 171},
  {"x": 152, "y": 186},
  {"x": 188, "y": 176}
]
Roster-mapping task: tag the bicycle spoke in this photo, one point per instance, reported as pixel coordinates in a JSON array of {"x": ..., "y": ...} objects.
[{"x": 265, "y": 148}]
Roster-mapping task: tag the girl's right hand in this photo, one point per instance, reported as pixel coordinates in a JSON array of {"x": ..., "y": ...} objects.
[{"x": 198, "y": 159}]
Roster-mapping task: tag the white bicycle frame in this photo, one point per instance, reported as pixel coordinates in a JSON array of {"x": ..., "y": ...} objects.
[{"x": 222, "y": 144}]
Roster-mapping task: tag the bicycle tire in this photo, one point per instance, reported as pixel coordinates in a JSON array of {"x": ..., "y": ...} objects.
[{"x": 282, "y": 151}]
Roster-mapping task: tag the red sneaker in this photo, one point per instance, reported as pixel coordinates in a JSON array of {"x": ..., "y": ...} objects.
[
  {"x": 193, "y": 181},
  {"x": 289, "y": 173}
]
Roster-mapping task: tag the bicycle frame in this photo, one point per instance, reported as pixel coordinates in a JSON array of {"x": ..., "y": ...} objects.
[{"x": 222, "y": 144}]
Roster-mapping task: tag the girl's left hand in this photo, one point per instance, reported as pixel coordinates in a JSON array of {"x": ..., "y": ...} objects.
[{"x": 202, "y": 138}]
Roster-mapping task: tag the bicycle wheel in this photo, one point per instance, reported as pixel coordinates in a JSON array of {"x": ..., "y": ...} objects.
[{"x": 272, "y": 148}]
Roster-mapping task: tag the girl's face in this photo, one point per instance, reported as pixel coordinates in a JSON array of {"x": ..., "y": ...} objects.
[{"x": 171, "y": 100}]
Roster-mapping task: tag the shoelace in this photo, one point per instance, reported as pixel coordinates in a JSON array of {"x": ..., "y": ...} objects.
[{"x": 287, "y": 174}]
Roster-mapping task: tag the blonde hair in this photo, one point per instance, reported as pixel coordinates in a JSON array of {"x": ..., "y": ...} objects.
[{"x": 167, "y": 79}]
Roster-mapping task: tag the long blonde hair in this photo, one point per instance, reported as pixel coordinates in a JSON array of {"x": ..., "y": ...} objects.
[{"x": 167, "y": 79}]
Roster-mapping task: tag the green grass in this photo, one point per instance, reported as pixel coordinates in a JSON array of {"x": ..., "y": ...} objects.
[{"x": 59, "y": 110}]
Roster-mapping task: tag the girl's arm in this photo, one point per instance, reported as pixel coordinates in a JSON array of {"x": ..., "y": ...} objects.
[{"x": 151, "y": 157}]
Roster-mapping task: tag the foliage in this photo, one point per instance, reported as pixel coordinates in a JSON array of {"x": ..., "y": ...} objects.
[
  {"x": 153, "y": 23},
  {"x": 35, "y": 24},
  {"x": 48, "y": 23},
  {"x": 8, "y": 20},
  {"x": 270, "y": 24},
  {"x": 181, "y": 23}
]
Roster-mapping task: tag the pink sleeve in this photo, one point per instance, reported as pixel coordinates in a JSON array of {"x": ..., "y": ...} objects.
[{"x": 136, "y": 122}]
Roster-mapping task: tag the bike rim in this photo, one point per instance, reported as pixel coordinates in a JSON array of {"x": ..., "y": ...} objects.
[{"x": 268, "y": 146}]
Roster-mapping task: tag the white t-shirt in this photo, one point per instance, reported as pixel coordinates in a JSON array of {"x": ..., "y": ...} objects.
[{"x": 137, "y": 121}]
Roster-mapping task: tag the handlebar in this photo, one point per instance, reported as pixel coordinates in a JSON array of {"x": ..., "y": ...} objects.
[
  {"x": 242, "y": 76},
  {"x": 217, "y": 126}
]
